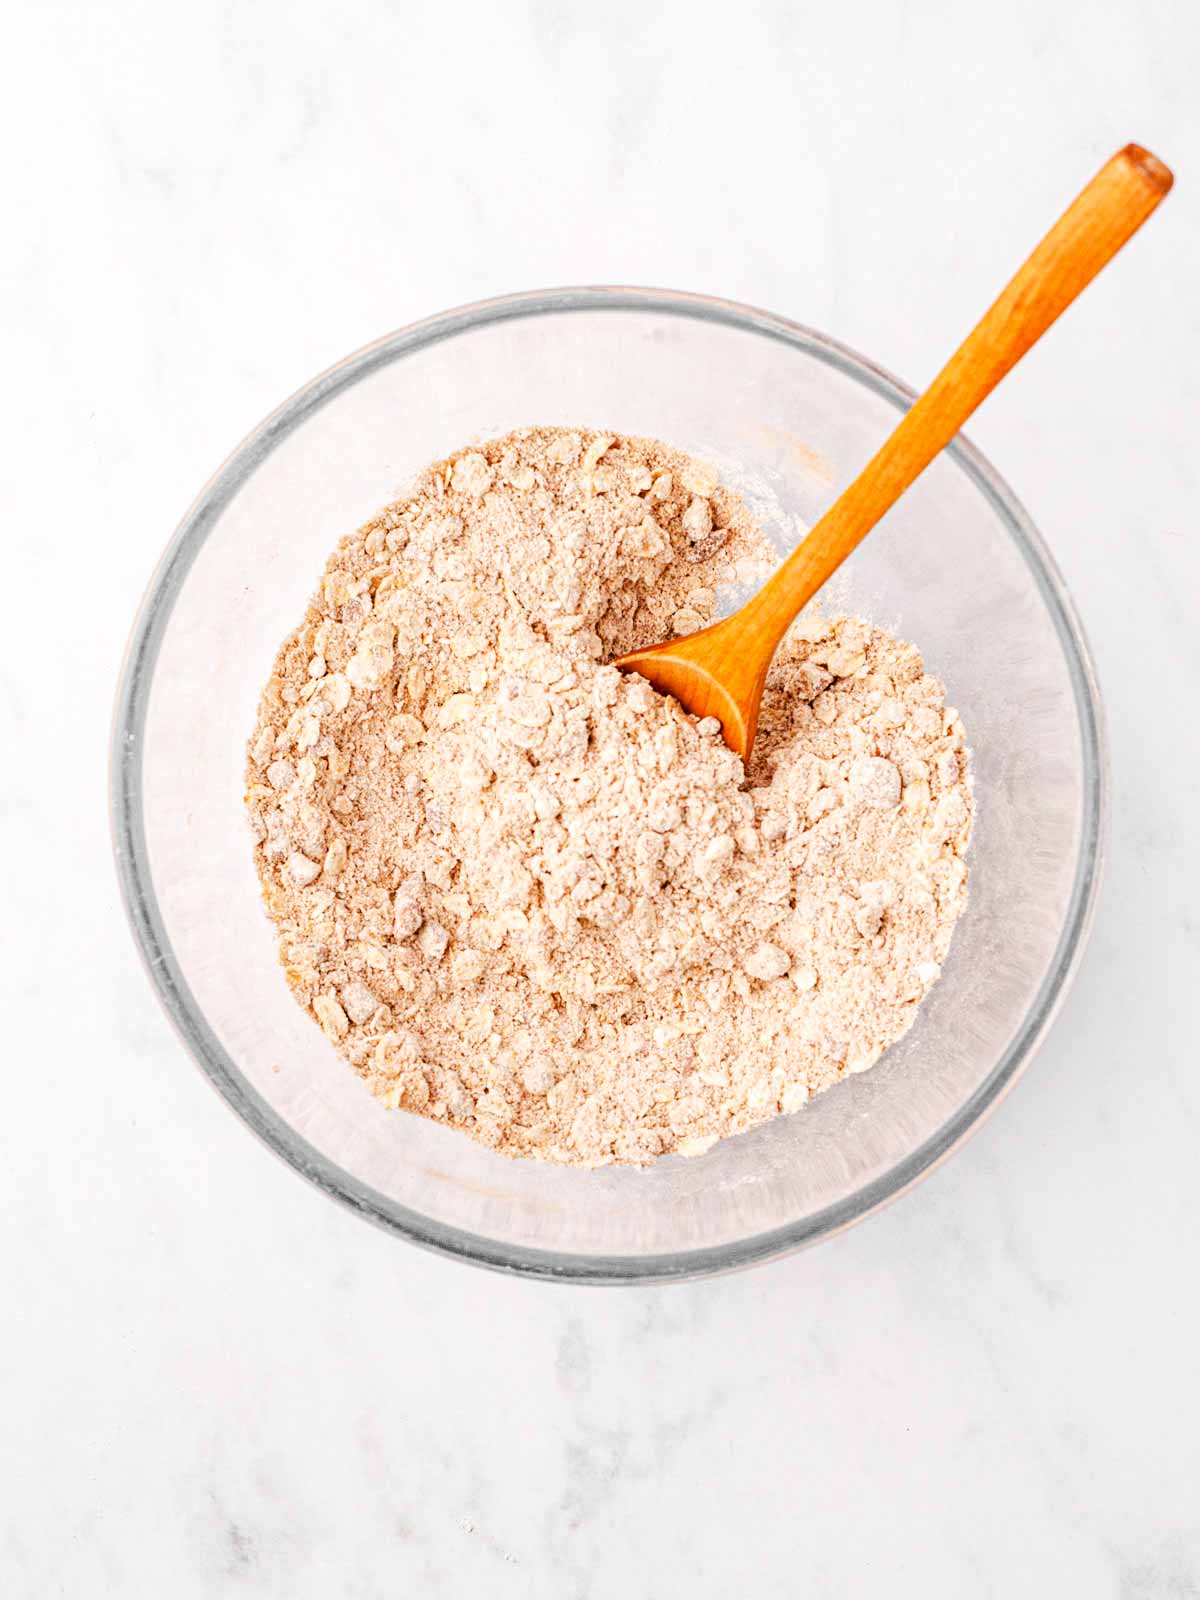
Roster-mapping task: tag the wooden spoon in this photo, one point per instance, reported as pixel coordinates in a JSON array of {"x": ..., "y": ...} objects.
[{"x": 719, "y": 671}]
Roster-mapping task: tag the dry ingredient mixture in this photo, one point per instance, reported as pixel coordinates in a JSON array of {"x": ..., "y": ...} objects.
[{"x": 529, "y": 897}]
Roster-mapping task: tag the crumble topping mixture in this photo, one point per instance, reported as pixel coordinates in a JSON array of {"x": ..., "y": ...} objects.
[{"x": 529, "y": 897}]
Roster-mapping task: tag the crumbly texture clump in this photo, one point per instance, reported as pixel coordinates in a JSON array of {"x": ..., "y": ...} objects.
[{"x": 529, "y": 897}]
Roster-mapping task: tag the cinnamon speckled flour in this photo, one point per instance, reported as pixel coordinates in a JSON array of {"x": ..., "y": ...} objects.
[{"x": 528, "y": 896}]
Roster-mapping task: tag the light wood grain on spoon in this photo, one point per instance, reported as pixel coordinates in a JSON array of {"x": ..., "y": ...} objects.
[{"x": 719, "y": 672}]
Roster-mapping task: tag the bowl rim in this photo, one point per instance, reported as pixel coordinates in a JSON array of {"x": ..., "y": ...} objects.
[{"x": 166, "y": 977}]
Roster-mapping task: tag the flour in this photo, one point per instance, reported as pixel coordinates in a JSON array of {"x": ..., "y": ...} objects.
[{"x": 524, "y": 894}]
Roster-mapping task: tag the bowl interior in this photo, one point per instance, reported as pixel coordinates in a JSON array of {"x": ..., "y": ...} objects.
[{"x": 789, "y": 418}]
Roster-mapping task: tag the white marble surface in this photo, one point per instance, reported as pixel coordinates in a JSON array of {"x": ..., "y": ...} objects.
[{"x": 213, "y": 1382}]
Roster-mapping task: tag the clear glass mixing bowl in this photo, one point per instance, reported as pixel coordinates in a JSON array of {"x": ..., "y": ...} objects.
[{"x": 790, "y": 416}]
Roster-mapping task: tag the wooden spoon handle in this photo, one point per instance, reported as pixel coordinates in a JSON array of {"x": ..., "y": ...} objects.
[{"x": 1088, "y": 234}]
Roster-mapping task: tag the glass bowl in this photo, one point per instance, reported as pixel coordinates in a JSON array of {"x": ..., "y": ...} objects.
[{"x": 789, "y": 416}]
